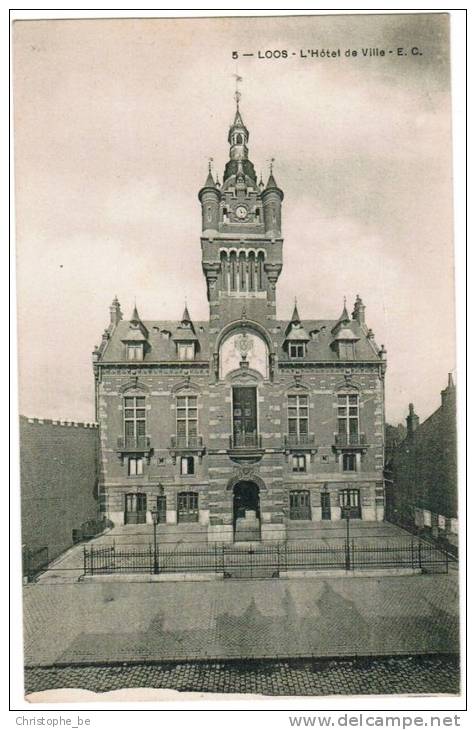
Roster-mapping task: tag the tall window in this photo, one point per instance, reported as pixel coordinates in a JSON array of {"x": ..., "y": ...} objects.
[
  {"x": 187, "y": 507},
  {"x": 350, "y": 498},
  {"x": 348, "y": 415},
  {"x": 187, "y": 419},
  {"x": 298, "y": 417},
  {"x": 134, "y": 420},
  {"x": 300, "y": 505}
]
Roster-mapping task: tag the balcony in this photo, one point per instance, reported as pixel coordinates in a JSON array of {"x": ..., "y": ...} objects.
[
  {"x": 350, "y": 441},
  {"x": 245, "y": 447},
  {"x": 186, "y": 445},
  {"x": 186, "y": 442},
  {"x": 300, "y": 441},
  {"x": 133, "y": 443}
]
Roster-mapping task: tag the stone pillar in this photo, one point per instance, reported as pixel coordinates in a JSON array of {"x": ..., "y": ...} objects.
[{"x": 171, "y": 516}]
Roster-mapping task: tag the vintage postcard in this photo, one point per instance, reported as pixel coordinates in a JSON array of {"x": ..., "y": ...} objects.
[{"x": 237, "y": 371}]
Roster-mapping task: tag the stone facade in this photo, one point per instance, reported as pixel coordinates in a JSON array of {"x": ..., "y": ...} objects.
[
  {"x": 59, "y": 481},
  {"x": 211, "y": 422},
  {"x": 422, "y": 488}
]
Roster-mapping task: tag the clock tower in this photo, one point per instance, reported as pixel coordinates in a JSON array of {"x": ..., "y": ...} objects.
[{"x": 241, "y": 237}]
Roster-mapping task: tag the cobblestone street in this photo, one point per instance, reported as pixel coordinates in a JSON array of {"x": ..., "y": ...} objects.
[{"x": 391, "y": 675}]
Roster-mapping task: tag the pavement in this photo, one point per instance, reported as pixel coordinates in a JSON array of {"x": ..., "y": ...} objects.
[
  {"x": 68, "y": 567},
  {"x": 390, "y": 675},
  {"x": 104, "y": 623}
]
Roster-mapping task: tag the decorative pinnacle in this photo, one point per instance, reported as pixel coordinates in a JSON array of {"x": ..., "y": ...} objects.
[
  {"x": 210, "y": 160},
  {"x": 271, "y": 163}
]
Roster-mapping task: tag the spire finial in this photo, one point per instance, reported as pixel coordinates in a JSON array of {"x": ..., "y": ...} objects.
[
  {"x": 210, "y": 160},
  {"x": 271, "y": 163}
]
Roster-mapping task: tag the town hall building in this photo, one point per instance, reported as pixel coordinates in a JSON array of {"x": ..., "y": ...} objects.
[{"x": 242, "y": 424}]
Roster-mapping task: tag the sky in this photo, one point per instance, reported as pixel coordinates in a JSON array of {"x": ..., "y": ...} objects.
[{"x": 115, "y": 121}]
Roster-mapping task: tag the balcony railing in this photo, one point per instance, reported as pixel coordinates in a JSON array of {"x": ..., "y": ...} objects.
[
  {"x": 245, "y": 441},
  {"x": 300, "y": 440},
  {"x": 135, "y": 443},
  {"x": 186, "y": 442},
  {"x": 344, "y": 440}
]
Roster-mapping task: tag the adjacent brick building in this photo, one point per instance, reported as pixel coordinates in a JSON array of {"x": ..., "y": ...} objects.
[
  {"x": 242, "y": 423},
  {"x": 422, "y": 488},
  {"x": 59, "y": 481}
]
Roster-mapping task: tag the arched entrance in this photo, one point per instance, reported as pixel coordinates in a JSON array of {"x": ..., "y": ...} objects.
[{"x": 246, "y": 511}]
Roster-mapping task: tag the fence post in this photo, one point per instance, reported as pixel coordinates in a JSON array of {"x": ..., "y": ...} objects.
[
  {"x": 446, "y": 560},
  {"x": 278, "y": 560},
  {"x": 151, "y": 567},
  {"x": 28, "y": 565},
  {"x": 84, "y": 560},
  {"x": 223, "y": 558},
  {"x": 413, "y": 557},
  {"x": 419, "y": 554},
  {"x": 352, "y": 555}
]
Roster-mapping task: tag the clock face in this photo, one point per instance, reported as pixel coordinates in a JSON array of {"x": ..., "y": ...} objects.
[{"x": 241, "y": 211}]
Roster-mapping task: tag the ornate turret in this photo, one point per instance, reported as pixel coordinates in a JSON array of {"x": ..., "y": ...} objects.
[
  {"x": 209, "y": 196},
  {"x": 272, "y": 197}
]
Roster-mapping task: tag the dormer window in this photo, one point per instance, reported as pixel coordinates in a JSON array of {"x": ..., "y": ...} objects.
[
  {"x": 135, "y": 351},
  {"x": 186, "y": 350},
  {"x": 297, "y": 350}
]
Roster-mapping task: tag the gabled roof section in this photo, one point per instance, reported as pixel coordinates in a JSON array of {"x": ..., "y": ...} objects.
[
  {"x": 137, "y": 331},
  {"x": 294, "y": 330},
  {"x": 161, "y": 341}
]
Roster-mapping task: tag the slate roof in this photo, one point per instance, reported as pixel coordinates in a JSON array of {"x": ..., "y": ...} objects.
[{"x": 162, "y": 347}]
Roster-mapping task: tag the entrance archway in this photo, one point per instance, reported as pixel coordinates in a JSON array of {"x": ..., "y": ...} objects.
[{"x": 245, "y": 499}]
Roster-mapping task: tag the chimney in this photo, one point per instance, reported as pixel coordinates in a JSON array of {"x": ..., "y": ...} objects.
[
  {"x": 449, "y": 393},
  {"x": 115, "y": 312},
  {"x": 359, "y": 311},
  {"x": 413, "y": 421}
]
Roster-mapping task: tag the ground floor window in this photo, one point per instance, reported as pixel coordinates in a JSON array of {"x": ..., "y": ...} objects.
[
  {"x": 351, "y": 498},
  {"x": 135, "y": 509},
  {"x": 300, "y": 505},
  {"x": 187, "y": 507}
]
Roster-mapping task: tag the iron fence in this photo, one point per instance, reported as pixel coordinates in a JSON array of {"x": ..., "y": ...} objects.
[{"x": 264, "y": 560}]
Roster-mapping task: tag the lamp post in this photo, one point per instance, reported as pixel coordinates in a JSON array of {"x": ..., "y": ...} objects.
[
  {"x": 345, "y": 511},
  {"x": 155, "y": 519}
]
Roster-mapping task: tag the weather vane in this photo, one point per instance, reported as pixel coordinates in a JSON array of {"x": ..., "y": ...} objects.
[{"x": 238, "y": 79}]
